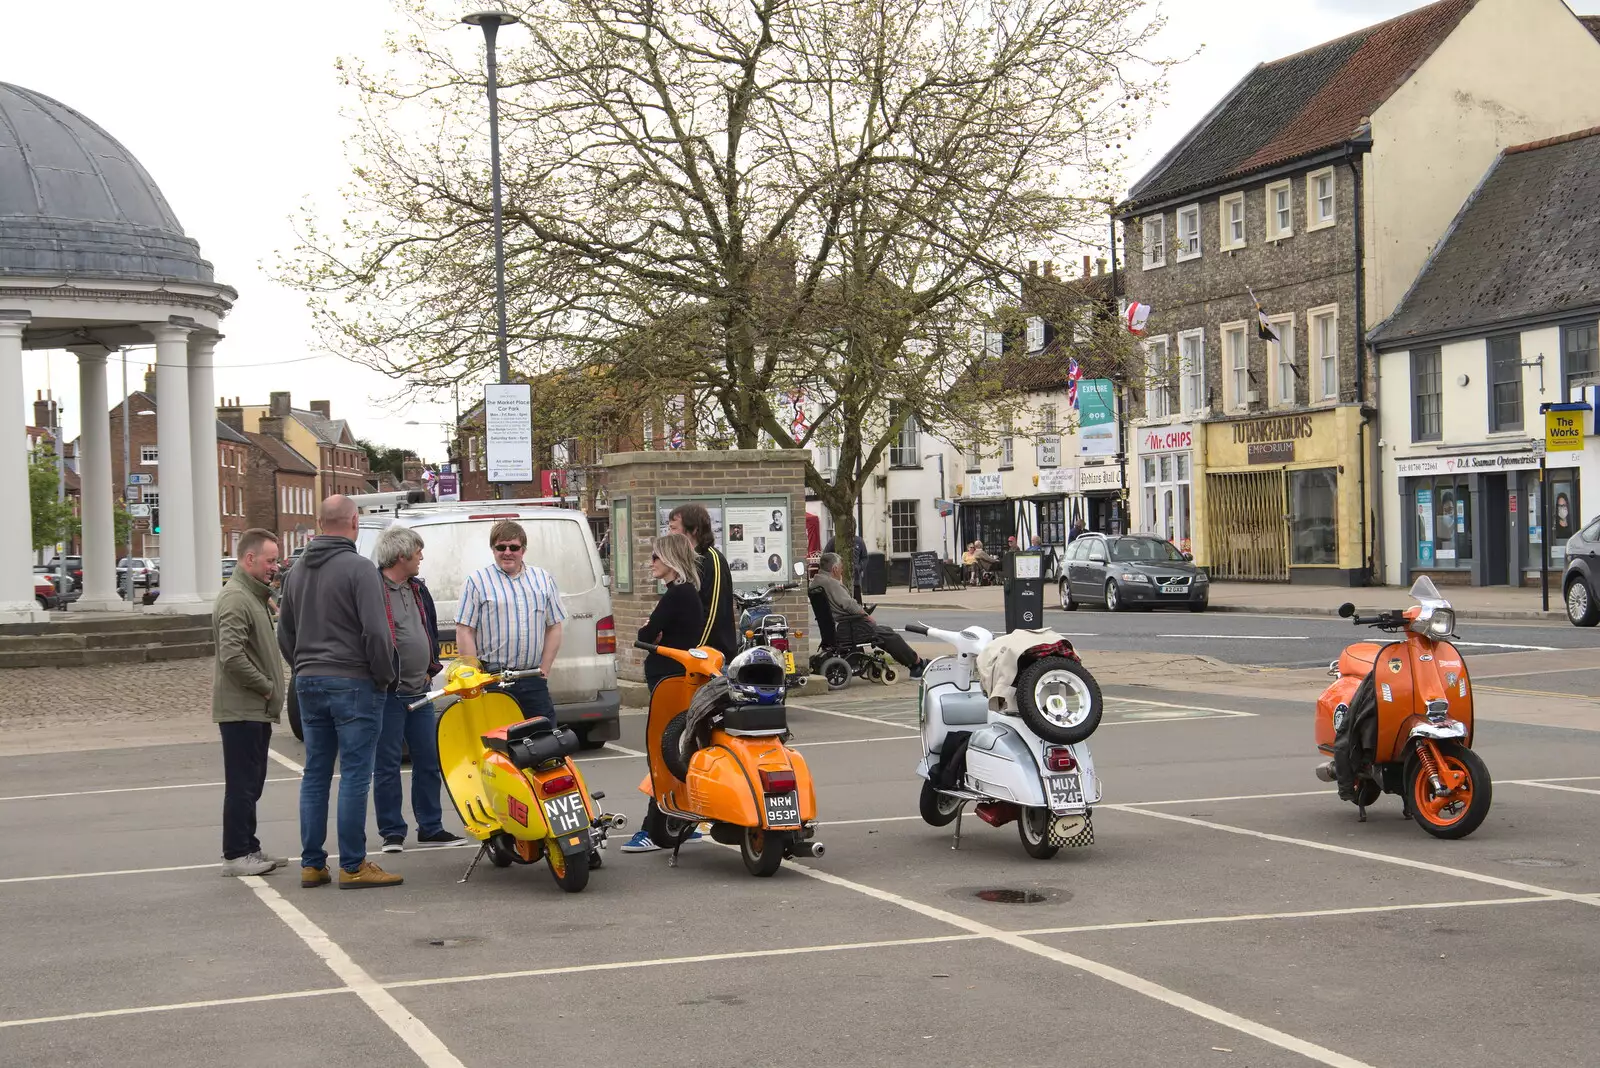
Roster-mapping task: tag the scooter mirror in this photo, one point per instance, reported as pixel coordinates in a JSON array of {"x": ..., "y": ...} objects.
[{"x": 1347, "y": 610}]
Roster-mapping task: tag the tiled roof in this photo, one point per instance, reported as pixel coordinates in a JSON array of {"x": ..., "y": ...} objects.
[
  {"x": 1306, "y": 103},
  {"x": 227, "y": 433},
  {"x": 1592, "y": 24},
  {"x": 283, "y": 457},
  {"x": 1526, "y": 245},
  {"x": 327, "y": 431}
]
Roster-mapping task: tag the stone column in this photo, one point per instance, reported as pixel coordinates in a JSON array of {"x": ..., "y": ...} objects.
[
  {"x": 175, "y": 467},
  {"x": 94, "y": 473},
  {"x": 203, "y": 446},
  {"x": 16, "y": 536}
]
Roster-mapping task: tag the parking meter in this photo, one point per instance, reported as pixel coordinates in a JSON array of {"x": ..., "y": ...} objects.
[{"x": 1024, "y": 590}]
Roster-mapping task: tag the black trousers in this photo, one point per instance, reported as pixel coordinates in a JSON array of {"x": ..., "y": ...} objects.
[
  {"x": 244, "y": 765},
  {"x": 886, "y": 638}
]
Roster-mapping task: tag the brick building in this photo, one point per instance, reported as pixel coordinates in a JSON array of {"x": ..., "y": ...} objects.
[
  {"x": 281, "y": 492},
  {"x": 233, "y": 461},
  {"x": 42, "y": 434},
  {"x": 314, "y": 434},
  {"x": 139, "y": 408},
  {"x": 1322, "y": 183}
]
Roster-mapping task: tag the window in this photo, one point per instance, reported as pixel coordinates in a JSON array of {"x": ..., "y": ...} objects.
[
  {"x": 1319, "y": 199},
  {"x": 974, "y": 455},
  {"x": 1580, "y": 355},
  {"x": 1192, "y": 369},
  {"x": 1280, "y": 211},
  {"x": 1236, "y": 365},
  {"x": 149, "y": 454},
  {"x": 1280, "y": 362},
  {"x": 903, "y": 526},
  {"x": 1047, "y": 419},
  {"x": 1314, "y": 507},
  {"x": 1427, "y": 395},
  {"x": 1155, "y": 242},
  {"x": 1231, "y": 210},
  {"x": 1167, "y": 504},
  {"x": 1324, "y": 323},
  {"x": 1505, "y": 382},
  {"x": 904, "y": 452},
  {"x": 1442, "y": 522},
  {"x": 994, "y": 342},
  {"x": 1156, "y": 403},
  {"x": 1035, "y": 333},
  {"x": 1007, "y": 444},
  {"x": 1188, "y": 232}
]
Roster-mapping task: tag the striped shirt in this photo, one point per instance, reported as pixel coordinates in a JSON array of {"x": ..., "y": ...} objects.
[{"x": 509, "y": 615}]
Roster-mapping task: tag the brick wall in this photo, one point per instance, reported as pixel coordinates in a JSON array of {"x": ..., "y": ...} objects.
[
  {"x": 141, "y": 433},
  {"x": 642, "y": 477},
  {"x": 233, "y": 460}
]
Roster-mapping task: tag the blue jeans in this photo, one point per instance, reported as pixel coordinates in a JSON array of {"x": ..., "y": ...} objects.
[
  {"x": 418, "y": 730},
  {"x": 533, "y": 697},
  {"x": 340, "y": 718}
]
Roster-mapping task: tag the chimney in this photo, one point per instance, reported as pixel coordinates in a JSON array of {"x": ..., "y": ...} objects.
[
  {"x": 1100, "y": 265},
  {"x": 150, "y": 379},
  {"x": 271, "y": 426},
  {"x": 231, "y": 415},
  {"x": 322, "y": 408},
  {"x": 1033, "y": 266},
  {"x": 1086, "y": 265},
  {"x": 279, "y": 406},
  {"x": 44, "y": 411},
  {"x": 1049, "y": 268}
]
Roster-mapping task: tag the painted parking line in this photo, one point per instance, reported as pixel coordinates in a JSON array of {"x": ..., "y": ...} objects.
[
  {"x": 1505, "y": 645},
  {"x": 130, "y": 789},
  {"x": 102, "y": 874},
  {"x": 1242, "y": 637},
  {"x": 852, "y": 715},
  {"x": 298, "y": 769},
  {"x": 139, "y": 1010},
  {"x": 1550, "y": 786}
]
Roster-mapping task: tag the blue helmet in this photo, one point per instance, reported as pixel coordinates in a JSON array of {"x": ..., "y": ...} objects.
[{"x": 756, "y": 677}]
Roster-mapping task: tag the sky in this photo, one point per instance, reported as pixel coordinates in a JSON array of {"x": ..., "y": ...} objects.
[{"x": 236, "y": 112}]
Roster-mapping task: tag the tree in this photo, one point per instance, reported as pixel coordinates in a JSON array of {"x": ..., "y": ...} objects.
[
  {"x": 747, "y": 198},
  {"x": 386, "y": 458},
  {"x": 53, "y": 519},
  {"x": 124, "y": 526}
]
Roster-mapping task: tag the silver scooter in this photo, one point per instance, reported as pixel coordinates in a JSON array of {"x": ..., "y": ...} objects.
[{"x": 1031, "y": 763}]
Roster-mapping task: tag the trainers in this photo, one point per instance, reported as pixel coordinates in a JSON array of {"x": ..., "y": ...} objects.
[
  {"x": 441, "y": 837},
  {"x": 394, "y": 843},
  {"x": 367, "y": 876},
  {"x": 276, "y": 862},
  {"x": 641, "y": 842},
  {"x": 249, "y": 864},
  {"x": 314, "y": 877}
]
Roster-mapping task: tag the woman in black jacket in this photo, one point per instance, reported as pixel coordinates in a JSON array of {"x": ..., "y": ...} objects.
[
  {"x": 716, "y": 578},
  {"x": 678, "y": 620}
]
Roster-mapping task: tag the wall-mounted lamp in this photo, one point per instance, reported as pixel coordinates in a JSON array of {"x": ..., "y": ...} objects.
[{"x": 1462, "y": 380}]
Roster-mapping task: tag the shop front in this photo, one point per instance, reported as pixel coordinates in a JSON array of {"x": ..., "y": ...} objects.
[
  {"x": 1281, "y": 498},
  {"x": 1099, "y": 504},
  {"x": 1475, "y": 518},
  {"x": 983, "y": 512},
  {"x": 1164, "y": 462}
]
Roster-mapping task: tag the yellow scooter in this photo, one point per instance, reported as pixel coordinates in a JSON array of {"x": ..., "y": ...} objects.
[{"x": 513, "y": 781}]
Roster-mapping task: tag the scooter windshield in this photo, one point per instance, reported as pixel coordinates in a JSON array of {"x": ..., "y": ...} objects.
[{"x": 1426, "y": 593}]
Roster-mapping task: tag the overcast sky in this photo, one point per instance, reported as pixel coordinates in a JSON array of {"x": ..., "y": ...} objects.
[{"x": 235, "y": 112}]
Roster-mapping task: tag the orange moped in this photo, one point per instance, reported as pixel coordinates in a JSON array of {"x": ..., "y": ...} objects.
[
  {"x": 755, "y": 791},
  {"x": 1397, "y": 719}
]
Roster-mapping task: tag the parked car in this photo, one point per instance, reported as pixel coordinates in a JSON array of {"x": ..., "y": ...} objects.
[
  {"x": 146, "y": 571},
  {"x": 74, "y": 569},
  {"x": 583, "y": 683},
  {"x": 44, "y": 591},
  {"x": 1130, "y": 570},
  {"x": 1580, "y": 582},
  {"x": 228, "y": 564}
]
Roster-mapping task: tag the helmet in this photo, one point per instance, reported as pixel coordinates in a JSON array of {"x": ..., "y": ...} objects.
[{"x": 756, "y": 677}]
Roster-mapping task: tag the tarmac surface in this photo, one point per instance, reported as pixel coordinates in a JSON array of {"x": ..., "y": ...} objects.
[{"x": 1230, "y": 912}]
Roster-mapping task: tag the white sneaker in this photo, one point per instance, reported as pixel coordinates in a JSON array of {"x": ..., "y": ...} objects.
[
  {"x": 276, "y": 862},
  {"x": 252, "y": 864}
]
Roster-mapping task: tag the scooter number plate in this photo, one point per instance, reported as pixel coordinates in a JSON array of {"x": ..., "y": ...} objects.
[
  {"x": 565, "y": 813},
  {"x": 783, "y": 810},
  {"x": 1066, "y": 792},
  {"x": 788, "y": 662}
]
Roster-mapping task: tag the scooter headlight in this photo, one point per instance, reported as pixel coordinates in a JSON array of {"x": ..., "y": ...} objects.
[{"x": 1442, "y": 623}]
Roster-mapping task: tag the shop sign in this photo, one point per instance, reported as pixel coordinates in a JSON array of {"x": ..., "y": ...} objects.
[
  {"x": 1108, "y": 477},
  {"x": 985, "y": 485},
  {"x": 1269, "y": 452},
  {"x": 1563, "y": 429},
  {"x": 1059, "y": 480},
  {"x": 1049, "y": 450},
  {"x": 1450, "y": 465},
  {"x": 1174, "y": 438},
  {"x": 1283, "y": 428},
  {"x": 1097, "y": 417}
]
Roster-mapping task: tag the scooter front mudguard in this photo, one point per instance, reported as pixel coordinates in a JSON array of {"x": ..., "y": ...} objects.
[
  {"x": 460, "y": 737},
  {"x": 1001, "y": 763}
]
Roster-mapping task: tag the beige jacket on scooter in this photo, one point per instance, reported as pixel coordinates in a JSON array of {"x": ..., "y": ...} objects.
[{"x": 997, "y": 665}]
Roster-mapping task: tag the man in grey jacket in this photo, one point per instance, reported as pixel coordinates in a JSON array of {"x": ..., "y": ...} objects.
[
  {"x": 334, "y": 629},
  {"x": 852, "y": 623}
]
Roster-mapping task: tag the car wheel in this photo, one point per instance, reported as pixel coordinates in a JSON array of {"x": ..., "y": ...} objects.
[
  {"x": 1582, "y": 607},
  {"x": 43, "y": 603},
  {"x": 1067, "y": 603},
  {"x": 1113, "y": 597}
]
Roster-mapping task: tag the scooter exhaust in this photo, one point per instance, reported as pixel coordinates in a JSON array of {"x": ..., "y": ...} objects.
[
  {"x": 1325, "y": 772},
  {"x": 808, "y": 849},
  {"x": 611, "y": 821}
]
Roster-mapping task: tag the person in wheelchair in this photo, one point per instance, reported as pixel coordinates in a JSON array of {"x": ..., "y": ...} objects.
[{"x": 853, "y": 625}]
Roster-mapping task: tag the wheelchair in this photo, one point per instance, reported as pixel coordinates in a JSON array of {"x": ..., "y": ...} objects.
[{"x": 838, "y": 662}]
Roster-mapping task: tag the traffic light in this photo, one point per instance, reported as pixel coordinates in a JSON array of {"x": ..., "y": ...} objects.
[{"x": 155, "y": 518}]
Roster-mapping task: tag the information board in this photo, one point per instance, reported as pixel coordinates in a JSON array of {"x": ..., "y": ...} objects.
[
  {"x": 508, "y": 431},
  {"x": 925, "y": 571}
]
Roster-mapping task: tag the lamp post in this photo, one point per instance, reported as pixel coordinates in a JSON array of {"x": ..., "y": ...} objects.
[
  {"x": 944, "y": 520},
  {"x": 490, "y": 22}
]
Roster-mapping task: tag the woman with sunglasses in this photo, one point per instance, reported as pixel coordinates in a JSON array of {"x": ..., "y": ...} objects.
[{"x": 678, "y": 622}]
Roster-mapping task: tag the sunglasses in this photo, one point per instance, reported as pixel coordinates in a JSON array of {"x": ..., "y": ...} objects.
[{"x": 509, "y": 548}]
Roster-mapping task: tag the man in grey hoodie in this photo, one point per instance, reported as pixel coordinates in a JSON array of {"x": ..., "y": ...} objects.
[{"x": 334, "y": 629}]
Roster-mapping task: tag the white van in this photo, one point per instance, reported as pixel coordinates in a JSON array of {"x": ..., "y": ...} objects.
[{"x": 455, "y": 538}]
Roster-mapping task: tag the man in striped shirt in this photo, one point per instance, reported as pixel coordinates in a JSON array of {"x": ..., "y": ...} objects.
[{"x": 510, "y": 616}]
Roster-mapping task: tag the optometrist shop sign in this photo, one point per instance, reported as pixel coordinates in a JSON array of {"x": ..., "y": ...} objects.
[{"x": 1475, "y": 462}]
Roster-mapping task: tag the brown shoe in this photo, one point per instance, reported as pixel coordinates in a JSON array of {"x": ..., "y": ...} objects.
[
  {"x": 367, "y": 876},
  {"x": 314, "y": 876}
]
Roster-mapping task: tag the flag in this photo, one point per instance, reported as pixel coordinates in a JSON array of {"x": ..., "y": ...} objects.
[
  {"x": 1264, "y": 330},
  {"x": 1138, "y": 315},
  {"x": 676, "y": 441},
  {"x": 797, "y": 426},
  {"x": 1074, "y": 373}
]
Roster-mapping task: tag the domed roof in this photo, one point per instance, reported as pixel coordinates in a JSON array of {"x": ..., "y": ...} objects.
[{"x": 74, "y": 202}]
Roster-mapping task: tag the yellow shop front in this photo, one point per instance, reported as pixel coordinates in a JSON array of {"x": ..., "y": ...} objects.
[{"x": 1280, "y": 498}]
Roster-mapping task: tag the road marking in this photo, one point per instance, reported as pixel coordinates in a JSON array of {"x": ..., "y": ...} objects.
[
  {"x": 1126, "y": 980},
  {"x": 1169, "y": 704},
  {"x": 1384, "y": 858},
  {"x": 1243, "y": 637},
  {"x": 874, "y": 819},
  {"x": 412, "y": 1031},
  {"x": 128, "y": 790},
  {"x": 843, "y": 741},
  {"x": 624, "y": 750},
  {"x": 1539, "y": 671},
  {"x": 98, "y": 874},
  {"x": 852, "y": 715},
  {"x": 1505, "y": 645},
  {"x": 1233, "y": 797},
  {"x": 1569, "y": 778},
  {"x": 1551, "y": 786},
  {"x": 298, "y": 769},
  {"x": 213, "y": 1003},
  {"x": 1534, "y": 693},
  {"x": 1359, "y": 910}
]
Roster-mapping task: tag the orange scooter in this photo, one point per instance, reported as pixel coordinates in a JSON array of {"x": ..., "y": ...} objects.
[
  {"x": 1398, "y": 719},
  {"x": 755, "y": 791}
]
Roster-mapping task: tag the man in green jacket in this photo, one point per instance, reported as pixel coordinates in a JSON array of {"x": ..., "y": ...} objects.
[{"x": 246, "y": 697}]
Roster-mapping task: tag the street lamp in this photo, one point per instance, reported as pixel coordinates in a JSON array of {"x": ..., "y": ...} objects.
[
  {"x": 449, "y": 440},
  {"x": 944, "y": 520},
  {"x": 491, "y": 21}
]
